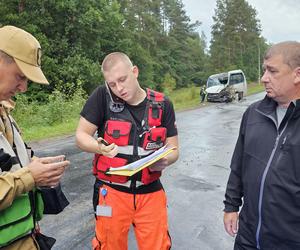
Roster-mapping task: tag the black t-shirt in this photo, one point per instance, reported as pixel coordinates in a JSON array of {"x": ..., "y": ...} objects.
[{"x": 95, "y": 108}]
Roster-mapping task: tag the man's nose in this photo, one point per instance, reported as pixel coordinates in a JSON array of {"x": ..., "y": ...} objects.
[
  {"x": 264, "y": 77},
  {"x": 119, "y": 87}
]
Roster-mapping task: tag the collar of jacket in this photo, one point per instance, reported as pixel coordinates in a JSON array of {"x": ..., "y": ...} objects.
[
  {"x": 268, "y": 106},
  {"x": 297, "y": 110}
]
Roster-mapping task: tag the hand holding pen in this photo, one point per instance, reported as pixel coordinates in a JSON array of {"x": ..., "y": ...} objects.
[{"x": 106, "y": 149}]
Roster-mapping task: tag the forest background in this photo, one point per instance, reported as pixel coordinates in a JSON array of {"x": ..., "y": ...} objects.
[{"x": 157, "y": 35}]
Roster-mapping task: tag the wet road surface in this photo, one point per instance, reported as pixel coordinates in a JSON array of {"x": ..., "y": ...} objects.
[{"x": 195, "y": 184}]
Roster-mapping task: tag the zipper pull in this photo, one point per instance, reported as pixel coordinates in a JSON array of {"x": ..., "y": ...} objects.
[{"x": 283, "y": 142}]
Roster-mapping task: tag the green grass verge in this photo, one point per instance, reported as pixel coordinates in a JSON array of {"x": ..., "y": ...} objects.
[
  {"x": 36, "y": 133},
  {"x": 185, "y": 98}
]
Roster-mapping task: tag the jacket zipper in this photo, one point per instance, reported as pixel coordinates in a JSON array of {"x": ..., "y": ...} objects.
[
  {"x": 262, "y": 183},
  {"x": 261, "y": 190}
]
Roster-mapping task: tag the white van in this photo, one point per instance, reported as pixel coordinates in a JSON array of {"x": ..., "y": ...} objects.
[{"x": 225, "y": 87}]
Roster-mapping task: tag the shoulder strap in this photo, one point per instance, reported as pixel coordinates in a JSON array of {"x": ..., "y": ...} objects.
[
  {"x": 155, "y": 96},
  {"x": 155, "y": 107}
]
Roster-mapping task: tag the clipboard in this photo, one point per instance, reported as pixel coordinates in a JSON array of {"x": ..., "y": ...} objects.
[{"x": 142, "y": 163}]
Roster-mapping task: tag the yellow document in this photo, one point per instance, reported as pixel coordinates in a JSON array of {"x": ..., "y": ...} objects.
[{"x": 134, "y": 167}]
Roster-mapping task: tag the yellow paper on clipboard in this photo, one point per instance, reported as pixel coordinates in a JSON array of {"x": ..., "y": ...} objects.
[{"x": 134, "y": 167}]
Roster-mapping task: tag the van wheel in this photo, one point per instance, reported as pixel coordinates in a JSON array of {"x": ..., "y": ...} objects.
[{"x": 240, "y": 96}]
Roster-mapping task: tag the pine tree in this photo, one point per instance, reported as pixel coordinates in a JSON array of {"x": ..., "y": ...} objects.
[{"x": 236, "y": 38}]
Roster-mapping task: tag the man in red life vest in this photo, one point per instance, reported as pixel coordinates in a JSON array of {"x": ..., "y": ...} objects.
[{"x": 135, "y": 122}]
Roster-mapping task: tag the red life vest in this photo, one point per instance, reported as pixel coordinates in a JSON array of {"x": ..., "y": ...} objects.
[{"x": 135, "y": 141}]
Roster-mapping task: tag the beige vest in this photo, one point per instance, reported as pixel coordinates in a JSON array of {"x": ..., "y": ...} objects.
[{"x": 9, "y": 134}]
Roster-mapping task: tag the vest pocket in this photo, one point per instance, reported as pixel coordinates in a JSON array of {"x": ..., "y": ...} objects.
[
  {"x": 117, "y": 132},
  {"x": 154, "y": 138},
  {"x": 16, "y": 220},
  {"x": 155, "y": 116},
  {"x": 103, "y": 165},
  {"x": 148, "y": 177}
]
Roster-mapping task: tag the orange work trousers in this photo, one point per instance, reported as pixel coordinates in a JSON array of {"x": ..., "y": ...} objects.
[{"x": 148, "y": 214}]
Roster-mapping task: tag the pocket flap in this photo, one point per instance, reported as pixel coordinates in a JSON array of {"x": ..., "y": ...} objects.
[
  {"x": 112, "y": 162},
  {"x": 158, "y": 134},
  {"x": 116, "y": 129}
]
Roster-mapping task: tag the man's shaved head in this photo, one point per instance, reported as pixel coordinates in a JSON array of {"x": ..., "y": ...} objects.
[{"x": 114, "y": 58}]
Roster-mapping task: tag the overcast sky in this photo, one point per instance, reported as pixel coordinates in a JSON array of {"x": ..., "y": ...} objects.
[{"x": 279, "y": 19}]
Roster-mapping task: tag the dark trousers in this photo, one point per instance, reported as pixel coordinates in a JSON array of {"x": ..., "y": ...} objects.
[
  {"x": 202, "y": 98},
  {"x": 238, "y": 246},
  {"x": 242, "y": 243}
]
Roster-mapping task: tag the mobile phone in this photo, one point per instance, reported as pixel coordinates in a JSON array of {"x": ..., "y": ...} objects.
[{"x": 104, "y": 142}]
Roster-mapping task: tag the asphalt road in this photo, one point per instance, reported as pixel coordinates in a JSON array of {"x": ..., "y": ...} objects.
[{"x": 195, "y": 184}]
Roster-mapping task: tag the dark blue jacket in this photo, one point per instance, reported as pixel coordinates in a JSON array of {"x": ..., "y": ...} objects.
[{"x": 265, "y": 178}]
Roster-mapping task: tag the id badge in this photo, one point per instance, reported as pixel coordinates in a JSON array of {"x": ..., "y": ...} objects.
[{"x": 103, "y": 211}]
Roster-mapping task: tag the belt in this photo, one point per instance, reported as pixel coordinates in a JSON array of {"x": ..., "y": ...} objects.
[
  {"x": 139, "y": 188},
  {"x": 126, "y": 184}
]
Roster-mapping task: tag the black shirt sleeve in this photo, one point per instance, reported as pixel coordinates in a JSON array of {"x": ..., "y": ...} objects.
[
  {"x": 169, "y": 120},
  {"x": 94, "y": 108}
]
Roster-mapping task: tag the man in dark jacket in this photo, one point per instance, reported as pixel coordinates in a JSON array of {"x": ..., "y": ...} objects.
[{"x": 265, "y": 167}]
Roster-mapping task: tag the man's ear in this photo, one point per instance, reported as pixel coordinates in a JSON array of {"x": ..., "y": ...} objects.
[
  {"x": 135, "y": 71},
  {"x": 297, "y": 75}
]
